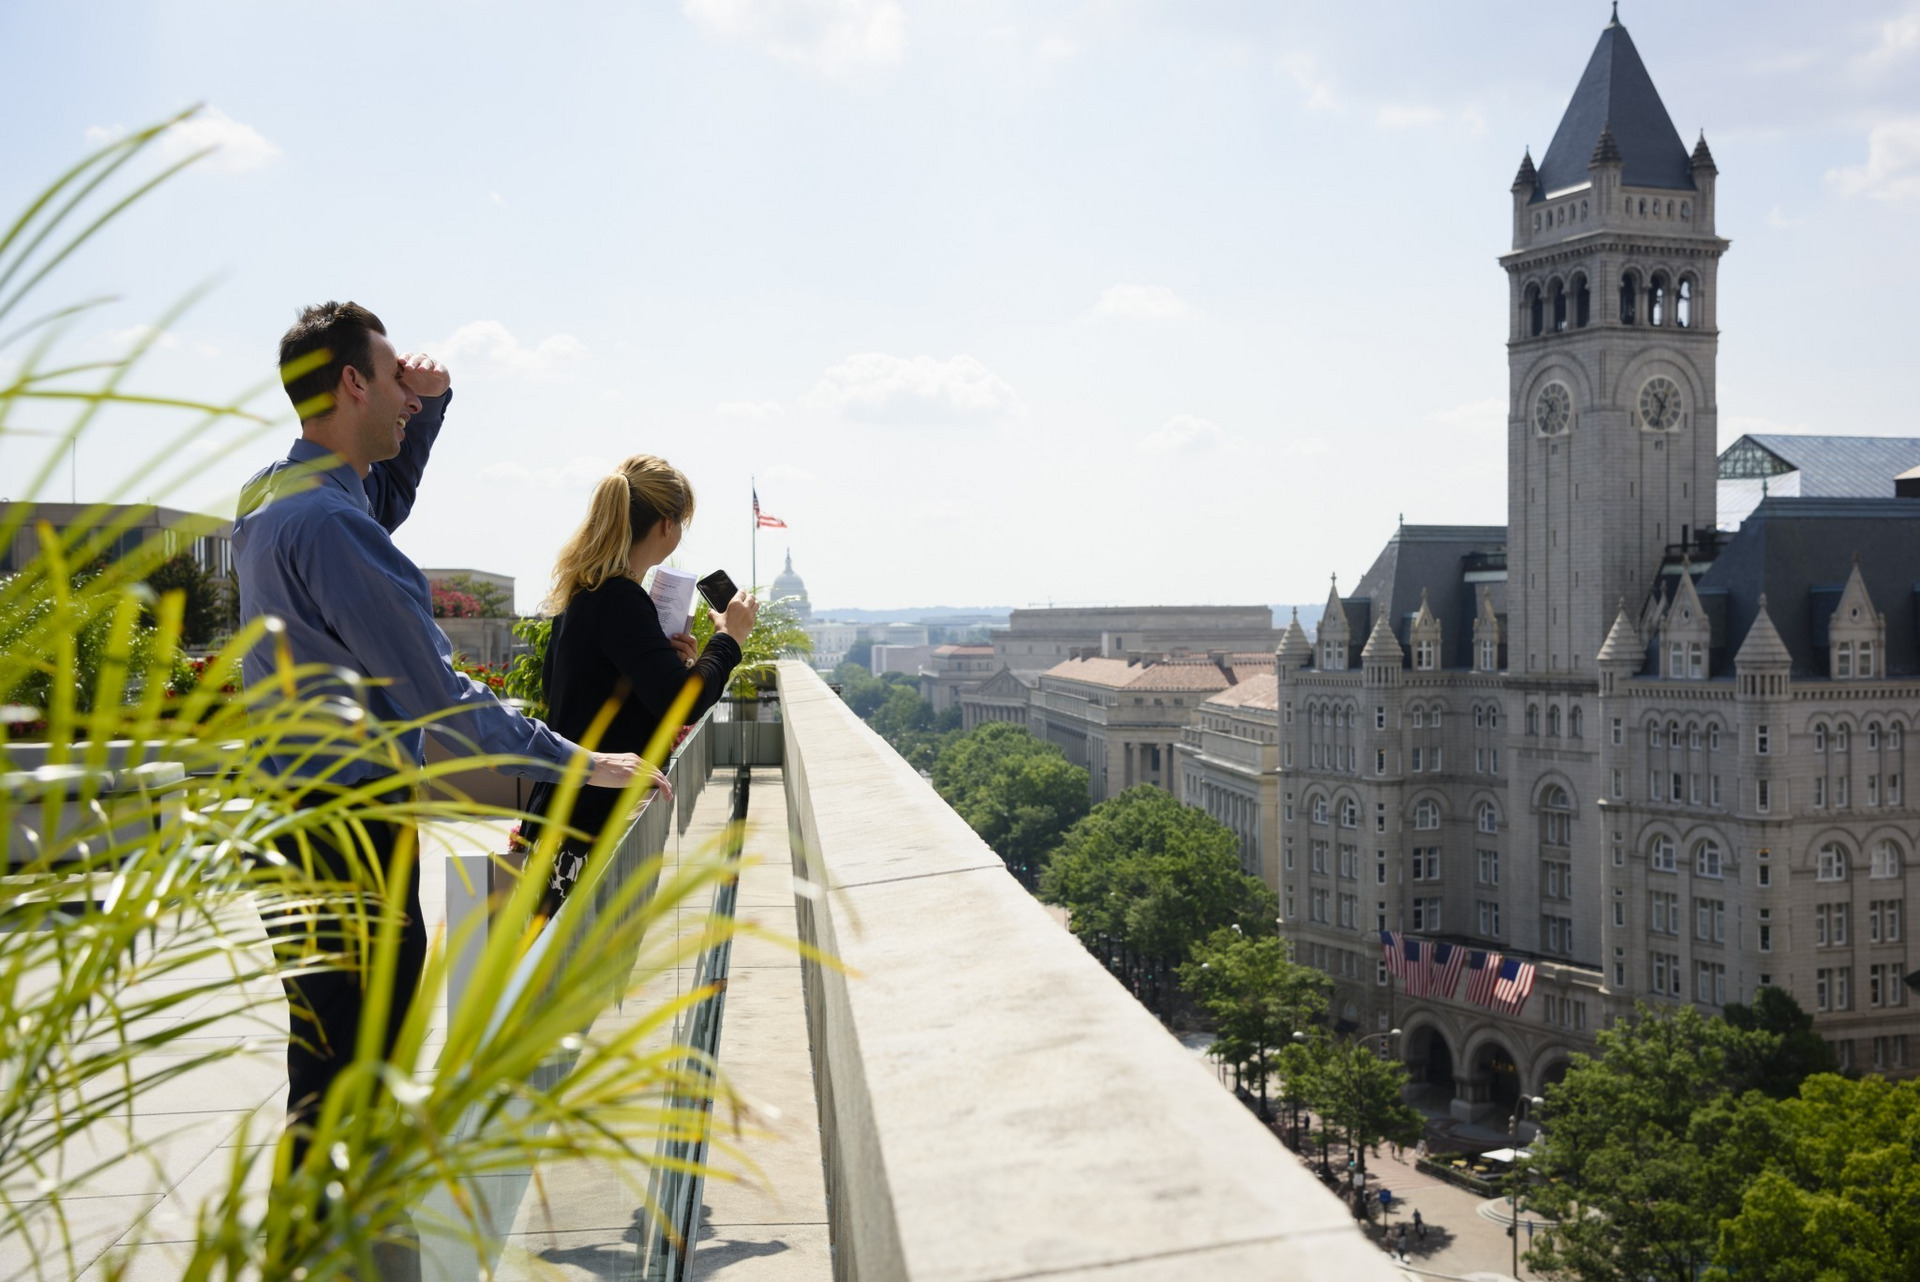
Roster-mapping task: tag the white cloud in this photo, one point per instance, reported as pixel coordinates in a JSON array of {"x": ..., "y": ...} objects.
[
  {"x": 496, "y": 198},
  {"x": 1317, "y": 84},
  {"x": 1892, "y": 171},
  {"x": 1398, "y": 116},
  {"x": 238, "y": 148},
  {"x": 874, "y": 385},
  {"x": 1305, "y": 447},
  {"x": 1780, "y": 220},
  {"x": 1187, "y": 434},
  {"x": 834, "y": 37},
  {"x": 576, "y": 473},
  {"x": 1899, "y": 38},
  {"x": 1142, "y": 302},
  {"x": 749, "y": 411},
  {"x": 488, "y": 345}
]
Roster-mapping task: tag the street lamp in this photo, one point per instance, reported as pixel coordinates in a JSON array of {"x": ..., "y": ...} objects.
[{"x": 1521, "y": 1107}]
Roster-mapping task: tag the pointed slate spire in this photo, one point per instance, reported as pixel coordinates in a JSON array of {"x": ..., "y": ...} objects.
[
  {"x": 1607, "y": 150},
  {"x": 1334, "y": 630},
  {"x": 1763, "y": 647},
  {"x": 1616, "y": 95},
  {"x": 1528, "y": 178},
  {"x": 1702, "y": 158},
  {"x": 1623, "y": 644},
  {"x": 1294, "y": 649},
  {"x": 1381, "y": 648},
  {"x": 1684, "y": 612}
]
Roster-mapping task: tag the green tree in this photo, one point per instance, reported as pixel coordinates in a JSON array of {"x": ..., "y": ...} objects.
[
  {"x": 1019, "y": 793},
  {"x": 1836, "y": 1197},
  {"x": 209, "y": 612},
  {"x": 1358, "y": 1092},
  {"x": 1800, "y": 1054},
  {"x": 1634, "y": 1148},
  {"x": 1145, "y": 878},
  {"x": 1258, "y": 997}
]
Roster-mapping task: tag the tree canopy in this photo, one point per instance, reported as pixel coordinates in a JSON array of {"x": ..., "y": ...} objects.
[
  {"x": 1257, "y": 996},
  {"x": 1019, "y": 793},
  {"x": 1357, "y": 1090},
  {"x": 1144, "y": 878}
]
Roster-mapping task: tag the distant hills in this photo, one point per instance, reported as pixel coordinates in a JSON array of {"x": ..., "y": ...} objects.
[{"x": 997, "y": 614}]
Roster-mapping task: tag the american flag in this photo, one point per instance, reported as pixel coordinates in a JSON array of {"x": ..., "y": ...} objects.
[
  {"x": 1513, "y": 987},
  {"x": 1396, "y": 961},
  {"x": 1447, "y": 960},
  {"x": 764, "y": 520},
  {"x": 1483, "y": 970}
]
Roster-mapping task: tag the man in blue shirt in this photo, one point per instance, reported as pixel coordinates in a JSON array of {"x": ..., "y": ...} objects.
[{"x": 313, "y": 548}]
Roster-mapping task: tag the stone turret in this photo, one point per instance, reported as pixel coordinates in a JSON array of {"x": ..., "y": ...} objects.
[{"x": 1382, "y": 657}]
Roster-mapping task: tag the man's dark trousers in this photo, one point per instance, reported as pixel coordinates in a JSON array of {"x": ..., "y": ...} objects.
[{"x": 325, "y": 1007}]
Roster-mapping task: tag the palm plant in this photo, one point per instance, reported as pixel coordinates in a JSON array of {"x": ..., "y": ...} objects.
[{"x": 146, "y": 879}]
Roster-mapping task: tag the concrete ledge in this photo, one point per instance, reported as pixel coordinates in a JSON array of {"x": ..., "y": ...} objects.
[{"x": 993, "y": 1105}]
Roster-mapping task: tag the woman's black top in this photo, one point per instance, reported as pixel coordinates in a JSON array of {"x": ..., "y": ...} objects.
[{"x": 608, "y": 644}]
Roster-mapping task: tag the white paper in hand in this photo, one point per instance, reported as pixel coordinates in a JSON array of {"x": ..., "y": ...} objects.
[{"x": 673, "y": 594}]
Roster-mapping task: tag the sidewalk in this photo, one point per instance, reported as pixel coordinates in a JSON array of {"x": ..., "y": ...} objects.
[{"x": 1466, "y": 1235}]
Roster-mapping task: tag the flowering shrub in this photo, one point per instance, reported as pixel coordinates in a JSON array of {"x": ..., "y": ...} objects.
[
  {"x": 494, "y": 679},
  {"x": 450, "y": 602}
]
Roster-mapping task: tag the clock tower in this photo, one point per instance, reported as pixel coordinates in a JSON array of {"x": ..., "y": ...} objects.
[{"x": 1612, "y": 337}]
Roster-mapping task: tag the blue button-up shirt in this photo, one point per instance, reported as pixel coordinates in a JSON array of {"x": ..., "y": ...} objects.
[{"x": 312, "y": 547}]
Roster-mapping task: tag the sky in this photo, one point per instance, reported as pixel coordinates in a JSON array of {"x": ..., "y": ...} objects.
[{"x": 1002, "y": 303}]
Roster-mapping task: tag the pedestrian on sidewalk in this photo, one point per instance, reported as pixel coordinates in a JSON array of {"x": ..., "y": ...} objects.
[
  {"x": 1403, "y": 1244},
  {"x": 1419, "y": 1225}
]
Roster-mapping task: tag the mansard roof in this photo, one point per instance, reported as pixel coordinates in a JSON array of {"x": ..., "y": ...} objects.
[
  {"x": 1450, "y": 563},
  {"x": 1616, "y": 94},
  {"x": 1799, "y": 553}
]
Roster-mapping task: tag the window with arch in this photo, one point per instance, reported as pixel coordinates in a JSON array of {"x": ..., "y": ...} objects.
[
  {"x": 1559, "y": 307},
  {"x": 1660, "y": 854},
  {"x": 1426, "y": 814},
  {"x": 1708, "y": 860},
  {"x": 1673, "y": 734},
  {"x": 1893, "y": 735},
  {"x": 1489, "y": 818},
  {"x": 1683, "y": 303},
  {"x": 1318, "y": 810},
  {"x": 1713, "y": 737},
  {"x": 1533, "y": 718},
  {"x": 1479, "y": 717},
  {"x": 1349, "y": 813},
  {"x": 1830, "y": 864},
  {"x": 1653, "y": 734},
  {"x": 1629, "y": 298},
  {"x": 1840, "y": 738},
  {"x": 1433, "y": 716},
  {"x": 1556, "y": 817},
  {"x": 1423, "y": 654},
  {"x": 1576, "y": 723},
  {"x": 1693, "y": 736},
  {"x": 1873, "y": 734},
  {"x": 1553, "y": 722},
  {"x": 1886, "y": 861},
  {"x": 1419, "y": 716},
  {"x": 1582, "y": 295},
  {"x": 1536, "y": 312},
  {"x": 1820, "y": 737},
  {"x": 1657, "y": 299}
]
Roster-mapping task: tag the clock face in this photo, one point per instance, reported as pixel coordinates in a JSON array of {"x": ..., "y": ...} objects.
[
  {"x": 1552, "y": 409},
  {"x": 1660, "y": 404}
]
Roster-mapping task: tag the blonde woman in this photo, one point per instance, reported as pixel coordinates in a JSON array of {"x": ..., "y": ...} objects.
[{"x": 607, "y": 642}]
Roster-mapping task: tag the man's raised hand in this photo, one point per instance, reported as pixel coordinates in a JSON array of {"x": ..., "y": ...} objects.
[{"x": 423, "y": 375}]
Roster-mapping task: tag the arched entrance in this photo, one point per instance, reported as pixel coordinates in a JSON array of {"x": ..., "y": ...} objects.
[
  {"x": 1498, "y": 1075},
  {"x": 1430, "y": 1064},
  {"x": 1554, "y": 1074}
]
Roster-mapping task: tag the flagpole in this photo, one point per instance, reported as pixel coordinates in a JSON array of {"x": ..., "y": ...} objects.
[{"x": 753, "y": 575}]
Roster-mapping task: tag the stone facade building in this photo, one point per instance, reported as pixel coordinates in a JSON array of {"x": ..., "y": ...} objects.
[
  {"x": 1229, "y": 759},
  {"x": 1656, "y": 760},
  {"x": 1035, "y": 640},
  {"x": 952, "y": 669}
]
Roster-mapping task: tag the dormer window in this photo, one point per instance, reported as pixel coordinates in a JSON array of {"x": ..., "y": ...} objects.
[
  {"x": 1686, "y": 660},
  {"x": 1423, "y": 656},
  {"x": 1489, "y": 651}
]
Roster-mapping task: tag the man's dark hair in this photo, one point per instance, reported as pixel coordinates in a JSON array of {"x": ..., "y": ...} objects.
[{"x": 326, "y": 339}]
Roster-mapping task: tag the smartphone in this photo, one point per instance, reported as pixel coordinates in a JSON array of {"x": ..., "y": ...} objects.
[{"x": 718, "y": 589}]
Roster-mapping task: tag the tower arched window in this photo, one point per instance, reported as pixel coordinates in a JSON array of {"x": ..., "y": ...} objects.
[
  {"x": 1629, "y": 298},
  {"x": 1553, "y": 722},
  {"x": 1489, "y": 818},
  {"x": 1582, "y": 302},
  {"x": 1533, "y": 718},
  {"x": 1559, "y": 307},
  {"x": 1575, "y": 724},
  {"x": 1683, "y": 303},
  {"x": 1426, "y": 814},
  {"x": 1536, "y": 312},
  {"x": 1657, "y": 299},
  {"x": 1556, "y": 817}
]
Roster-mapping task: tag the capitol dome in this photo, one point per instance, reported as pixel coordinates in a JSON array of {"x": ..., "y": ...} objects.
[{"x": 787, "y": 584}]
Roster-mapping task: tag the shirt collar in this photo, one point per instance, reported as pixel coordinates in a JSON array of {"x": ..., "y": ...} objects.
[{"x": 340, "y": 474}]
